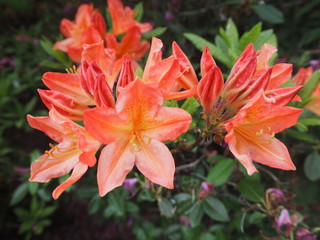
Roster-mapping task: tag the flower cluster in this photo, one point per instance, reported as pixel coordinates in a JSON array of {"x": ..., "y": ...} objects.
[
  {"x": 89, "y": 27},
  {"x": 105, "y": 103}
]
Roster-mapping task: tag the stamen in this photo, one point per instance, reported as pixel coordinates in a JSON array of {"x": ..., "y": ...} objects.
[{"x": 72, "y": 69}]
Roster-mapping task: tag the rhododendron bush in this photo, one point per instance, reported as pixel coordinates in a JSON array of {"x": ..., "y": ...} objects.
[{"x": 144, "y": 132}]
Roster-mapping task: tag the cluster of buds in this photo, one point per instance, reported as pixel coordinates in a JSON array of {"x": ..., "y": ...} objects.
[{"x": 104, "y": 104}]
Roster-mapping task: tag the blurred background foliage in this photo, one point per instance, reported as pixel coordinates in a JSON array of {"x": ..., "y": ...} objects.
[{"x": 228, "y": 209}]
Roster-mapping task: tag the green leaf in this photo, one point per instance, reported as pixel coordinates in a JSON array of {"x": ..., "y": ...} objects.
[
  {"x": 215, "y": 209},
  {"x": 94, "y": 204},
  {"x": 57, "y": 54},
  {"x": 181, "y": 197},
  {"x": 300, "y": 135},
  {"x": 308, "y": 88},
  {"x": 166, "y": 207},
  {"x": 170, "y": 103},
  {"x": 251, "y": 190},
  {"x": 190, "y": 105},
  {"x": 221, "y": 172},
  {"x": 310, "y": 121},
  {"x": 216, "y": 52},
  {"x": 154, "y": 33},
  {"x": 33, "y": 187},
  {"x": 250, "y": 36},
  {"x": 48, "y": 211},
  {"x": 232, "y": 32},
  {"x": 312, "y": 166},
  {"x": 138, "y": 11},
  {"x": 196, "y": 214},
  {"x": 256, "y": 217},
  {"x": 263, "y": 38},
  {"x": 269, "y": 13},
  {"x": 19, "y": 194},
  {"x": 131, "y": 207}
]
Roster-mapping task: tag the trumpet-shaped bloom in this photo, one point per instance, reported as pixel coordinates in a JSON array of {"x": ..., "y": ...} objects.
[
  {"x": 89, "y": 27},
  {"x": 123, "y": 18},
  {"x": 251, "y": 133},
  {"x": 134, "y": 131},
  {"x": 76, "y": 150}
]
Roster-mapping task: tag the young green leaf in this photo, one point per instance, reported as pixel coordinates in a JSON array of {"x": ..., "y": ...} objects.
[{"x": 250, "y": 36}]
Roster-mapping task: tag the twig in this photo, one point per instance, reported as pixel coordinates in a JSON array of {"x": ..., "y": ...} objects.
[{"x": 189, "y": 165}]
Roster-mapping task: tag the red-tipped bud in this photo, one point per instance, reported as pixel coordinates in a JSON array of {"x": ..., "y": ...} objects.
[
  {"x": 126, "y": 75},
  {"x": 207, "y": 62},
  {"x": 188, "y": 78},
  {"x": 209, "y": 88},
  {"x": 93, "y": 82}
]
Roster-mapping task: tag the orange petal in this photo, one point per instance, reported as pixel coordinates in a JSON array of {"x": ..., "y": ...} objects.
[
  {"x": 168, "y": 124},
  {"x": 48, "y": 126},
  {"x": 105, "y": 124},
  {"x": 264, "y": 56},
  {"x": 155, "y": 161},
  {"x": 66, "y": 27},
  {"x": 116, "y": 161},
  {"x": 239, "y": 149},
  {"x": 77, "y": 173},
  {"x": 139, "y": 100},
  {"x": 68, "y": 84},
  {"x": 63, "y": 104},
  {"x": 302, "y": 76},
  {"x": 58, "y": 163},
  {"x": 155, "y": 56},
  {"x": 281, "y": 73}
]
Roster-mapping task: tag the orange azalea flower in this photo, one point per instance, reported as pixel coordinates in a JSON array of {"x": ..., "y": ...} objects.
[
  {"x": 123, "y": 18},
  {"x": 134, "y": 130},
  {"x": 71, "y": 93},
  {"x": 89, "y": 27},
  {"x": 130, "y": 44},
  {"x": 76, "y": 150},
  {"x": 251, "y": 133}
]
